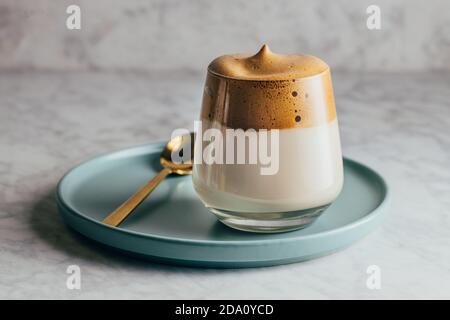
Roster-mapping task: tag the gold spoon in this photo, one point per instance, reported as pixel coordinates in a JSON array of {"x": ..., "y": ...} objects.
[{"x": 175, "y": 146}]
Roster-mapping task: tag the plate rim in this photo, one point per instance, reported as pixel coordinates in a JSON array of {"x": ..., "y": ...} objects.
[{"x": 155, "y": 146}]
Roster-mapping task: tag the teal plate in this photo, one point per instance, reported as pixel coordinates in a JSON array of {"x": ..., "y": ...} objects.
[{"x": 173, "y": 226}]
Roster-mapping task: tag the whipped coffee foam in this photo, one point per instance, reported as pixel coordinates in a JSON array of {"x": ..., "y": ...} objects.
[
  {"x": 266, "y": 65},
  {"x": 261, "y": 91}
]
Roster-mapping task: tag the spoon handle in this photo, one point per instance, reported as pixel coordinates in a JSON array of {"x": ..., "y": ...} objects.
[{"x": 117, "y": 216}]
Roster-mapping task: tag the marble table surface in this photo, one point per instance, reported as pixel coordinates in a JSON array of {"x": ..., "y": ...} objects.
[{"x": 397, "y": 123}]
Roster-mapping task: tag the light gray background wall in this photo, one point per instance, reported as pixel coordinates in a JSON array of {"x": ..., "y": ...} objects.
[{"x": 174, "y": 34}]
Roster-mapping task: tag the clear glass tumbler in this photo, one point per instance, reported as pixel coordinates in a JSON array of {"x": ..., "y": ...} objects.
[{"x": 268, "y": 154}]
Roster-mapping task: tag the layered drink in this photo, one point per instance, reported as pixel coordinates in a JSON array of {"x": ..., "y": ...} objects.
[{"x": 290, "y": 99}]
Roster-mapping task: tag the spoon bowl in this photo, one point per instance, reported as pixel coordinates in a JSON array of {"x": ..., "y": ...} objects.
[{"x": 176, "y": 146}]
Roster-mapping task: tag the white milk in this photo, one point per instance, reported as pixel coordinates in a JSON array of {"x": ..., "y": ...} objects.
[{"x": 310, "y": 175}]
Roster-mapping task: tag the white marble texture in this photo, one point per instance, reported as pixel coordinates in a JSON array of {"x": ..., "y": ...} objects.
[
  {"x": 176, "y": 34},
  {"x": 50, "y": 121}
]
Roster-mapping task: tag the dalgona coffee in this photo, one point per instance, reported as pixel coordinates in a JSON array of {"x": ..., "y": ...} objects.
[{"x": 290, "y": 94}]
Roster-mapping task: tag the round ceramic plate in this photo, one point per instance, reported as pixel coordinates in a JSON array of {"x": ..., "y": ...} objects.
[{"x": 173, "y": 226}]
